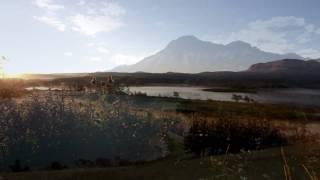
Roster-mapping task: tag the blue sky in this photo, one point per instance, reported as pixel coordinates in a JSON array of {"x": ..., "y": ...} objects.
[{"x": 46, "y": 36}]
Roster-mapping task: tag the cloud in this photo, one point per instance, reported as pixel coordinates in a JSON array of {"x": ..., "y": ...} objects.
[
  {"x": 278, "y": 34},
  {"x": 103, "y": 50},
  {"x": 160, "y": 24},
  {"x": 48, "y": 5},
  {"x": 52, "y": 21},
  {"x": 90, "y": 45},
  {"x": 310, "y": 28},
  {"x": 91, "y": 25},
  {"x": 120, "y": 59},
  {"x": 311, "y": 53},
  {"x": 68, "y": 54},
  {"x": 50, "y": 18},
  {"x": 105, "y": 18},
  {"x": 113, "y": 9},
  {"x": 88, "y": 20},
  {"x": 81, "y": 2},
  {"x": 95, "y": 59}
]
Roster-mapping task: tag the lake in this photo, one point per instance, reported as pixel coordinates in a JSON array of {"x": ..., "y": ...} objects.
[
  {"x": 42, "y": 88},
  {"x": 296, "y": 96}
]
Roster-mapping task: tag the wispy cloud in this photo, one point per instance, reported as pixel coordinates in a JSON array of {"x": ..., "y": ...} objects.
[
  {"x": 161, "y": 25},
  {"x": 278, "y": 34},
  {"x": 103, "y": 50},
  {"x": 310, "y": 53},
  {"x": 52, "y": 21},
  {"x": 88, "y": 20},
  {"x": 105, "y": 18},
  {"x": 120, "y": 59},
  {"x": 50, "y": 17},
  {"x": 95, "y": 59},
  {"x": 115, "y": 59},
  {"x": 68, "y": 54},
  {"x": 112, "y": 9},
  {"x": 81, "y": 2},
  {"x": 48, "y": 4},
  {"x": 91, "y": 25}
]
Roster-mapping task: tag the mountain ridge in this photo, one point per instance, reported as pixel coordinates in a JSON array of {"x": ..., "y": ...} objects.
[
  {"x": 290, "y": 66},
  {"x": 188, "y": 54}
]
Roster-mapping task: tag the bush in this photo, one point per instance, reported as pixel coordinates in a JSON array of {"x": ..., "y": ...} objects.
[
  {"x": 103, "y": 162},
  {"x": 57, "y": 166},
  {"x": 18, "y": 167},
  {"x": 223, "y": 135},
  {"x": 84, "y": 163}
]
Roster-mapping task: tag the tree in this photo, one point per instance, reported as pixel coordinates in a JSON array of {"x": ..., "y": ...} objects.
[
  {"x": 236, "y": 97},
  {"x": 176, "y": 94}
]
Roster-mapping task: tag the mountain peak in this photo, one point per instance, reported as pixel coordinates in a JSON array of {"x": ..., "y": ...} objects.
[
  {"x": 238, "y": 44},
  {"x": 187, "y": 38},
  {"x": 185, "y": 42}
]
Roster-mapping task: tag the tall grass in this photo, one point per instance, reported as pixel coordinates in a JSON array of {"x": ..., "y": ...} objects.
[{"x": 56, "y": 128}]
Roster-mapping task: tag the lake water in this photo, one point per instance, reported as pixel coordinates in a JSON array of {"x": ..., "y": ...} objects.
[
  {"x": 42, "y": 88},
  {"x": 286, "y": 96},
  {"x": 296, "y": 96}
]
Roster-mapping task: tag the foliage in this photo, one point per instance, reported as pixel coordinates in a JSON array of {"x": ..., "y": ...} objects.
[
  {"x": 56, "y": 128},
  {"x": 227, "y": 135}
]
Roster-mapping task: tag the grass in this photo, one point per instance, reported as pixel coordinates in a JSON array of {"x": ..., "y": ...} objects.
[
  {"x": 265, "y": 164},
  {"x": 211, "y": 108},
  {"x": 258, "y": 110}
]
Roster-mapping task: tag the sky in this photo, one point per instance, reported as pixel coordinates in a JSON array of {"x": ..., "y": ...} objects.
[{"x": 51, "y": 36}]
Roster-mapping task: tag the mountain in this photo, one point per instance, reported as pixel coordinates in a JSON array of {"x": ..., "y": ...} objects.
[
  {"x": 291, "y": 66},
  {"x": 188, "y": 54}
]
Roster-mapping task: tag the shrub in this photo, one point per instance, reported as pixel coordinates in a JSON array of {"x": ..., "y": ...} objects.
[
  {"x": 18, "y": 167},
  {"x": 84, "y": 163},
  {"x": 103, "y": 162},
  {"x": 217, "y": 137},
  {"x": 56, "y": 165}
]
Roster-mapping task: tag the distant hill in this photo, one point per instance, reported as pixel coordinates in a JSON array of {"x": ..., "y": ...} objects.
[
  {"x": 288, "y": 66},
  {"x": 286, "y": 73},
  {"x": 188, "y": 54}
]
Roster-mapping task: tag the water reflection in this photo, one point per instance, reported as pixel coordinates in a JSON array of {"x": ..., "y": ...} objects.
[{"x": 295, "y": 96}]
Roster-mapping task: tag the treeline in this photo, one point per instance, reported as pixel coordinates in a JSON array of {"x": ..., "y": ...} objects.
[{"x": 237, "y": 80}]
